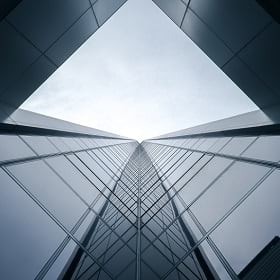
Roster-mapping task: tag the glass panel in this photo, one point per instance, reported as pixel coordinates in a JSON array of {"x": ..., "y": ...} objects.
[
  {"x": 189, "y": 161},
  {"x": 40, "y": 144},
  {"x": 95, "y": 167},
  {"x": 203, "y": 178},
  {"x": 219, "y": 144},
  {"x": 129, "y": 272},
  {"x": 59, "y": 144},
  {"x": 176, "y": 157},
  {"x": 72, "y": 143},
  {"x": 265, "y": 148},
  {"x": 81, "y": 143},
  {"x": 158, "y": 262},
  {"x": 28, "y": 236},
  {"x": 207, "y": 144},
  {"x": 74, "y": 178},
  {"x": 214, "y": 263},
  {"x": 58, "y": 266},
  {"x": 237, "y": 145},
  {"x": 120, "y": 260},
  {"x": 89, "y": 143},
  {"x": 191, "y": 142},
  {"x": 191, "y": 226},
  {"x": 252, "y": 225},
  {"x": 177, "y": 166},
  {"x": 191, "y": 172},
  {"x": 85, "y": 225},
  {"x": 12, "y": 147},
  {"x": 50, "y": 190},
  {"x": 105, "y": 161},
  {"x": 226, "y": 191},
  {"x": 87, "y": 172},
  {"x": 198, "y": 143}
]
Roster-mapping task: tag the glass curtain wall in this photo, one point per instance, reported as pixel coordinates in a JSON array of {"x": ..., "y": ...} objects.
[
  {"x": 52, "y": 190},
  {"x": 226, "y": 190},
  {"x": 104, "y": 208},
  {"x": 138, "y": 234}
]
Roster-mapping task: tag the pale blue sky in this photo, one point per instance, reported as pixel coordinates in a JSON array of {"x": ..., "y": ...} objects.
[{"x": 139, "y": 76}]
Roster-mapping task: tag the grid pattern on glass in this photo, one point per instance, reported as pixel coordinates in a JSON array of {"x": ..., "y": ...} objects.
[
  {"x": 164, "y": 209},
  {"x": 130, "y": 238},
  {"x": 212, "y": 192},
  {"x": 43, "y": 179}
]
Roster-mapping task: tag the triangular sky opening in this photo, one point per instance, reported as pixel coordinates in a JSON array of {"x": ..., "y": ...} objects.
[{"x": 140, "y": 76}]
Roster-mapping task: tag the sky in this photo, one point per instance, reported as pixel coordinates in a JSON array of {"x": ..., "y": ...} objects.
[{"x": 139, "y": 76}]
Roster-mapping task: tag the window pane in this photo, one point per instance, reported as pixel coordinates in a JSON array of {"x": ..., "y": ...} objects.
[
  {"x": 95, "y": 167},
  {"x": 50, "y": 190},
  {"x": 72, "y": 143},
  {"x": 237, "y": 145},
  {"x": 203, "y": 178},
  {"x": 265, "y": 148},
  {"x": 191, "y": 172},
  {"x": 12, "y": 147},
  {"x": 216, "y": 264},
  {"x": 105, "y": 161},
  {"x": 219, "y": 144},
  {"x": 252, "y": 225},
  {"x": 61, "y": 261},
  {"x": 189, "y": 160},
  {"x": 29, "y": 236},
  {"x": 89, "y": 219},
  {"x": 226, "y": 191},
  {"x": 74, "y": 178},
  {"x": 59, "y": 144},
  {"x": 40, "y": 144},
  {"x": 207, "y": 144}
]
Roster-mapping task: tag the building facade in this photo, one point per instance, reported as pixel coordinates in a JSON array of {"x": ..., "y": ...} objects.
[
  {"x": 81, "y": 203},
  {"x": 77, "y": 203}
]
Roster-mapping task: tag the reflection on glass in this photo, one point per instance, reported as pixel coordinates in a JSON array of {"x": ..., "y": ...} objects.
[
  {"x": 74, "y": 178},
  {"x": 29, "y": 236},
  {"x": 50, "y": 190},
  {"x": 226, "y": 191},
  {"x": 252, "y": 226}
]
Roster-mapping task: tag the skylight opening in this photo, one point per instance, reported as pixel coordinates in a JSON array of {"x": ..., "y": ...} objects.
[{"x": 139, "y": 76}]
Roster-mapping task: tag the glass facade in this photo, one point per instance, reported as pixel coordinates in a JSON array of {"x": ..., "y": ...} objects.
[
  {"x": 89, "y": 207},
  {"x": 80, "y": 203},
  {"x": 226, "y": 190},
  {"x": 52, "y": 190}
]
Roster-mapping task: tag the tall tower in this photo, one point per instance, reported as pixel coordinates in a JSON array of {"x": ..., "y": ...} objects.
[{"x": 197, "y": 204}]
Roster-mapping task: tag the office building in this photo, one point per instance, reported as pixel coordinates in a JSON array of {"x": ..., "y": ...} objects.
[{"x": 81, "y": 203}]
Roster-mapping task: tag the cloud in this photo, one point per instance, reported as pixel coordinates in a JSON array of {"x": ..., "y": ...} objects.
[{"x": 139, "y": 78}]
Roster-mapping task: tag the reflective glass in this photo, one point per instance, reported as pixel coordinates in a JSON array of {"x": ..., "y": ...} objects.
[
  {"x": 203, "y": 179},
  {"x": 237, "y": 145},
  {"x": 89, "y": 219},
  {"x": 226, "y": 191},
  {"x": 50, "y": 190},
  {"x": 265, "y": 148},
  {"x": 188, "y": 162},
  {"x": 217, "y": 267},
  {"x": 219, "y": 144},
  {"x": 252, "y": 225},
  {"x": 40, "y": 144},
  {"x": 72, "y": 143},
  {"x": 29, "y": 236},
  {"x": 59, "y": 264},
  {"x": 12, "y": 147},
  {"x": 59, "y": 144},
  {"x": 74, "y": 178},
  {"x": 191, "y": 172},
  {"x": 88, "y": 173},
  {"x": 92, "y": 163}
]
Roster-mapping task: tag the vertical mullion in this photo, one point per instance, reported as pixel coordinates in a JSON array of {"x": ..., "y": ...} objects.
[{"x": 138, "y": 259}]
